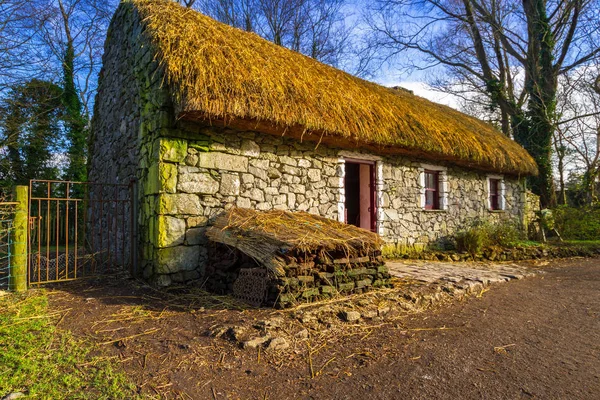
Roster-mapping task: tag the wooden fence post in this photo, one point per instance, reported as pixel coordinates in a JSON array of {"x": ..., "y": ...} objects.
[{"x": 18, "y": 261}]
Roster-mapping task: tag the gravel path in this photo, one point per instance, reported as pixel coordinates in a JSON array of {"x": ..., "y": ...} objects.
[{"x": 482, "y": 272}]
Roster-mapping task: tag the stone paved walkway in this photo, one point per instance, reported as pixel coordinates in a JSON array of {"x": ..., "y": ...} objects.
[{"x": 460, "y": 274}]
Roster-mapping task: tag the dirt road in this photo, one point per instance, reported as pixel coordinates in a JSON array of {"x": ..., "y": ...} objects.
[{"x": 534, "y": 338}]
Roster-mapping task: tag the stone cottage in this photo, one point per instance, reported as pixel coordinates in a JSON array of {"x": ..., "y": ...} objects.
[{"x": 208, "y": 117}]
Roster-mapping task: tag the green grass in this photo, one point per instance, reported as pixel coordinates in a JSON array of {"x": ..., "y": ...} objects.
[
  {"x": 525, "y": 243},
  {"x": 582, "y": 243},
  {"x": 44, "y": 362}
]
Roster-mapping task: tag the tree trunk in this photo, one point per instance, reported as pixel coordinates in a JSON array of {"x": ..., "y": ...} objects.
[
  {"x": 560, "y": 151},
  {"x": 76, "y": 124},
  {"x": 541, "y": 87}
]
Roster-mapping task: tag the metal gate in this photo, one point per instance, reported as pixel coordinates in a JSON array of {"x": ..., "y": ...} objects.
[
  {"x": 79, "y": 229},
  {"x": 6, "y": 238}
]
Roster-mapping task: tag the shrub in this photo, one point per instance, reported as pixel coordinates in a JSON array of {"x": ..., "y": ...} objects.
[
  {"x": 578, "y": 223},
  {"x": 471, "y": 240},
  {"x": 486, "y": 233},
  {"x": 504, "y": 233}
]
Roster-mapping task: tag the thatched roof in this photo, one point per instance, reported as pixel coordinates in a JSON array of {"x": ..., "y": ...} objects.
[
  {"x": 268, "y": 236},
  {"x": 224, "y": 74}
]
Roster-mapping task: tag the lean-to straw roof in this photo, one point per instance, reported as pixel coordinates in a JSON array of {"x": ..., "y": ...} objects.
[
  {"x": 267, "y": 236},
  {"x": 224, "y": 74}
]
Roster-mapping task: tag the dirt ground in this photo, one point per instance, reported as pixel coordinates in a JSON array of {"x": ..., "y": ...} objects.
[{"x": 534, "y": 338}]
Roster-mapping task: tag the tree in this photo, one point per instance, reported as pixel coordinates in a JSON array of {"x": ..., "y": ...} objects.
[
  {"x": 31, "y": 131},
  {"x": 242, "y": 14},
  {"x": 187, "y": 3},
  {"x": 17, "y": 24},
  {"x": 72, "y": 32},
  {"x": 60, "y": 41},
  {"x": 578, "y": 131},
  {"x": 564, "y": 155},
  {"x": 76, "y": 124},
  {"x": 512, "y": 52},
  {"x": 326, "y": 36},
  {"x": 313, "y": 27}
]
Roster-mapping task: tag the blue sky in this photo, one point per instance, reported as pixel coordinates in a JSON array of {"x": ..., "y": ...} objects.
[{"x": 391, "y": 74}]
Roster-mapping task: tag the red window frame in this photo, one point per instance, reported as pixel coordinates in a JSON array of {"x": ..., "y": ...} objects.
[
  {"x": 432, "y": 190},
  {"x": 495, "y": 194}
]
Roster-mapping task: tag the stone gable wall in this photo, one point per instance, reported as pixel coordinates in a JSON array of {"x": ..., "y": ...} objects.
[
  {"x": 133, "y": 109},
  {"x": 123, "y": 94}
]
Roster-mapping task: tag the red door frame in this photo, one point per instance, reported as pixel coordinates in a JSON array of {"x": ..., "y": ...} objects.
[
  {"x": 372, "y": 190},
  {"x": 373, "y": 193}
]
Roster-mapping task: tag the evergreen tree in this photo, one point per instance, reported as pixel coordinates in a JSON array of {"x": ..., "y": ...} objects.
[{"x": 31, "y": 132}]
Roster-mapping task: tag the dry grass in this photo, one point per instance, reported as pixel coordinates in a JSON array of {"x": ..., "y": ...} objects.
[
  {"x": 221, "y": 72},
  {"x": 269, "y": 236}
]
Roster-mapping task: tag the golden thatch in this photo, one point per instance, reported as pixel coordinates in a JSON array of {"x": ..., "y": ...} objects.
[
  {"x": 268, "y": 236},
  {"x": 222, "y": 73}
]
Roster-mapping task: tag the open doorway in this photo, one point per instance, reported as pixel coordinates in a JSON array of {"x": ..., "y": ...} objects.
[{"x": 359, "y": 187}]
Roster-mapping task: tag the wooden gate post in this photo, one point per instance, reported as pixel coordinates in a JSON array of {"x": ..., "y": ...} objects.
[{"x": 18, "y": 261}]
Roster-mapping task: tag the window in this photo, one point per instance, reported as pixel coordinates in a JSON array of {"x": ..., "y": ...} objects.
[
  {"x": 495, "y": 194},
  {"x": 433, "y": 185},
  {"x": 495, "y": 186},
  {"x": 432, "y": 190}
]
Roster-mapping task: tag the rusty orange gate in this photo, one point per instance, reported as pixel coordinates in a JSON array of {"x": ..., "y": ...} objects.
[{"x": 79, "y": 229}]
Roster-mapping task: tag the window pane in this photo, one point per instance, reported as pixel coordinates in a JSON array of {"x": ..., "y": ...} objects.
[
  {"x": 493, "y": 186},
  {"x": 429, "y": 199},
  {"x": 495, "y": 194},
  {"x": 430, "y": 180},
  {"x": 494, "y": 202}
]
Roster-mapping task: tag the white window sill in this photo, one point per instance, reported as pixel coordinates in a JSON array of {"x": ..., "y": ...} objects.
[{"x": 497, "y": 211}]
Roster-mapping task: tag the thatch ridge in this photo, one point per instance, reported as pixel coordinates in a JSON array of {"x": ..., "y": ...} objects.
[
  {"x": 221, "y": 72},
  {"x": 267, "y": 236}
]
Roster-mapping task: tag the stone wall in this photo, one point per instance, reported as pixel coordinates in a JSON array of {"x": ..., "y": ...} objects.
[
  {"x": 404, "y": 222},
  {"x": 114, "y": 146},
  {"x": 115, "y": 134},
  {"x": 133, "y": 109},
  {"x": 205, "y": 170},
  {"x": 208, "y": 169},
  {"x": 307, "y": 277}
]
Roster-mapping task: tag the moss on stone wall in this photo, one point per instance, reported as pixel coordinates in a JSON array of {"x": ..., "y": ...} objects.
[
  {"x": 162, "y": 177},
  {"x": 173, "y": 150}
]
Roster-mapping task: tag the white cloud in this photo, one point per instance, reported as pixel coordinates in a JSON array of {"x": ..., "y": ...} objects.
[{"x": 426, "y": 91}]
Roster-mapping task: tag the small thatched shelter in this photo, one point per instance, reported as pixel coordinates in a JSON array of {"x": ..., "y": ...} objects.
[
  {"x": 208, "y": 117},
  {"x": 297, "y": 256},
  {"x": 275, "y": 237}
]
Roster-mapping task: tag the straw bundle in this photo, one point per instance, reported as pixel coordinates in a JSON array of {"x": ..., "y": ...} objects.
[
  {"x": 272, "y": 238},
  {"x": 217, "y": 72},
  {"x": 280, "y": 258}
]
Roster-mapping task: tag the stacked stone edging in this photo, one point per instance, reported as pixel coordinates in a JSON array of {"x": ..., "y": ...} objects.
[
  {"x": 307, "y": 278},
  {"x": 502, "y": 254},
  {"x": 324, "y": 277}
]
